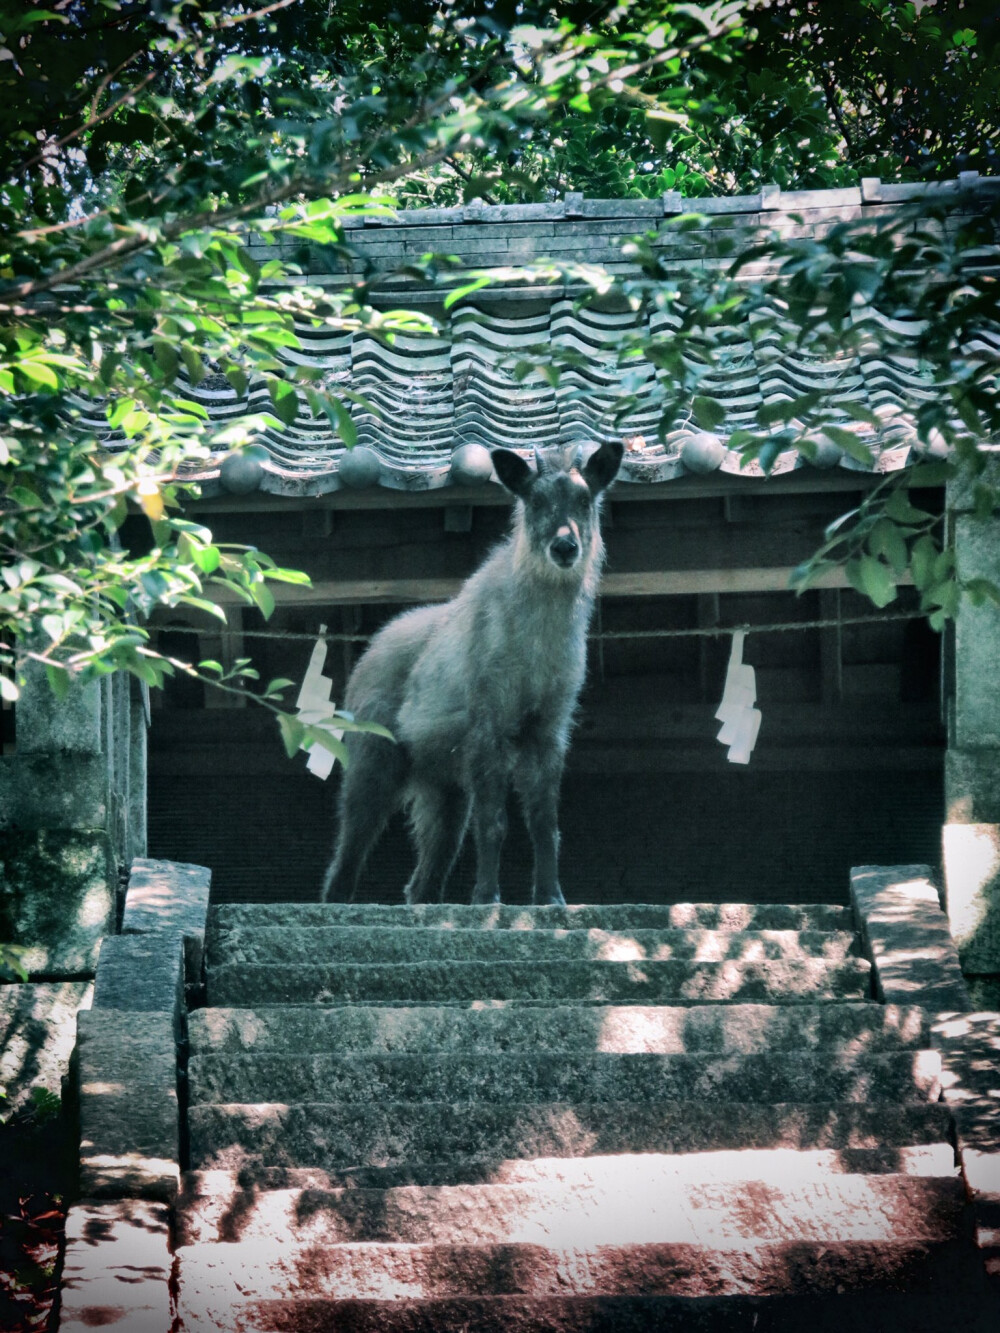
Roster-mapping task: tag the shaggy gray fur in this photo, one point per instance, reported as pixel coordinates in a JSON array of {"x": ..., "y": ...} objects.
[{"x": 480, "y": 693}]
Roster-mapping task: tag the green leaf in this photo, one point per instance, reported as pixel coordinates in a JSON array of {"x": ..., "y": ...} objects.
[
  {"x": 861, "y": 413},
  {"x": 886, "y": 540},
  {"x": 467, "y": 289},
  {"x": 205, "y": 557},
  {"x": 342, "y": 419},
  {"x": 316, "y": 735},
  {"x": 238, "y": 380},
  {"x": 850, "y": 443},
  {"x": 790, "y": 408},
  {"x": 292, "y": 733},
  {"x": 193, "y": 363},
  {"x": 945, "y": 597},
  {"x": 117, "y": 412},
  {"x": 249, "y": 265},
  {"x": 165, "y": 355},
  {"x": 899, "y": 508},
  {"x": 58, "y": 678},
  {"x": 295, "y": 576},
  {"x": 708, "y": 412},
  {"x": 981, "y": 590},
  {"x": 39, "y": 373},
  {"x": 203, "y": 604},
  {"x": 264, "y": 598},
  {"x": 284, "y": 399},
  {"x": 371, "y": 728},
  {"x": 276, "y": 686},
  {"x": 150, "y": 672},
  {"x": 970, "y": 417},
  {"x": 923, "y": 555},
  {"x": 873, "y": 579}
]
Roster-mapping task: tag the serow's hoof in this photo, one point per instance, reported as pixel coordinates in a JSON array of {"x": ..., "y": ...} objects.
[{"x": 552, "y": 900}]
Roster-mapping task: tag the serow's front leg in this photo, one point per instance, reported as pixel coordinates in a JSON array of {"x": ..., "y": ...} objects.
[
  {"x": 538, "y": 787},
  {"x": 489, "y": 827}
]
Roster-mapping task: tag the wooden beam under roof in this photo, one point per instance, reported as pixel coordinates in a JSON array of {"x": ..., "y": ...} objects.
[{"x": 634, "y": 583}]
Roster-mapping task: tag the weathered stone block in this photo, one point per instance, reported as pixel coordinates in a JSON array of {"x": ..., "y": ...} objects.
[
  {"x": 962, "y": 489},
  {"x": 972, "y": 893},
  {"x": 117, "y": 1269},
  {"x": 623, "y": 1029},
  {"x": 985, "y": 991},
  {"x": 550, "y": 1078},
  {"x": 57, "y": 897},
  {"x": 906, "y": 935},
  {"x": 340, "y": 1137},
  {"x": 283, "y": 946},
  {"x": 37, "y": 1036},
  {"x": 53, "y": 791},
  {"x": 171, "y": 896},
  {"x": 137, "y": 771},
  {"x": 977, "y": 638},
  {"x": 505, "y": 916},
  {"x": 129, "y": 1136},
  {"x": 786, "y": 981},
  {"x": 142, "y": 973},
  {"x": 47, "y": 724},
  {"x": 972, "y": 786}
]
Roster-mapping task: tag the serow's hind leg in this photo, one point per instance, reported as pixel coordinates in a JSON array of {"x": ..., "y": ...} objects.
[
  {"x": 371, "y": 792},
  {"x": 438, "y": 819}
]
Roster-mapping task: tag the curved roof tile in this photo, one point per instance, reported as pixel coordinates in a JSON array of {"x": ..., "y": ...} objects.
[{"x": 428, "y": 395}]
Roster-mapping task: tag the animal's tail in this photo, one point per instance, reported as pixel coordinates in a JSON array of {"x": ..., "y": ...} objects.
[{"x": 371, "y": 791}]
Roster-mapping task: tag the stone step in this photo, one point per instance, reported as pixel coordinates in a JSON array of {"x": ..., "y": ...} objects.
[
  {"x": 291, "y": 946},
  {"x": 943, "y": 1309},
  {"x": 211, "y": 1275},
  {"x": 785, "y": 981},
  {"x": 342, "y": 1136},
  {"x": 580, "y": 916},
  {"x": 641, "y": 1204},
  {"x": 664, "y": 1030},
  {"x": 784, "y": 1076},
  {"x": 216, "y": 1197}
]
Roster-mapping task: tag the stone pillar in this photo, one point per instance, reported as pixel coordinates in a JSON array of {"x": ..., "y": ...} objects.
[
  {"x": 972, "y": 763},
  {"x": 137, "y": 769},
  {"x": 59, "y": 870},
  {"x": 72, "y": 815}
]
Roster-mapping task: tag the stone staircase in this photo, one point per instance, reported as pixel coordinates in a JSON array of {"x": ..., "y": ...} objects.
[{"x": 449, "y": 1118}]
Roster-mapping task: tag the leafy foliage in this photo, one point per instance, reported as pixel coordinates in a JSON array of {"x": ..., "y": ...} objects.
[
  {"x": 141, "y": 143},
  {"x": 920, "y": 286}
]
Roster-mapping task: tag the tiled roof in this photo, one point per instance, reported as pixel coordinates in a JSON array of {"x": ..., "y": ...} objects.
[{"x": 433, "y": 395}]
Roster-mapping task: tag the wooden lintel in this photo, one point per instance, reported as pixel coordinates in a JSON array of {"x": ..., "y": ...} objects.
[
  {"x": 458, "y": 518},
  {"x": 616, "y": 583},
  {"x": 803, "y": 481}
]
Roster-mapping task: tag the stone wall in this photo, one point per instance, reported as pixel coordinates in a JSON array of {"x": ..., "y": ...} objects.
[
  {"x": 972, "y": 769},
  {"x": 72, "y": 818}
]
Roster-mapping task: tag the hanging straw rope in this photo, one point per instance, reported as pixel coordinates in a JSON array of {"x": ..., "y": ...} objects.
[{"x": 707, "y": 631}]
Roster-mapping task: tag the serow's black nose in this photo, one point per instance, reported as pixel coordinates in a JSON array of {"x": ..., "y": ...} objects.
[{"x": 564, "y": 550}]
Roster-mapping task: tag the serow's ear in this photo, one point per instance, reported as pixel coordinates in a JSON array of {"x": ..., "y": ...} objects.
[
  {"x": 602, "y": 466},
  {"x": 513, "y": 471}
]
